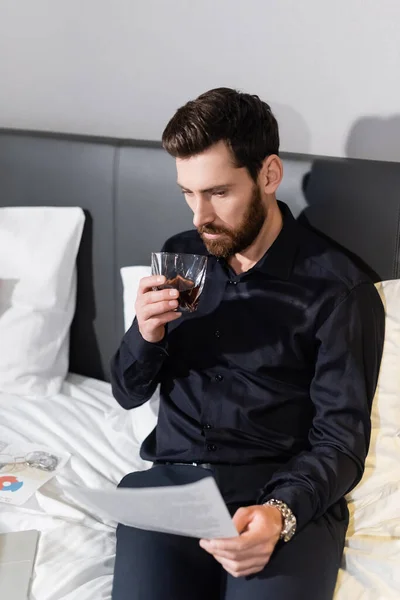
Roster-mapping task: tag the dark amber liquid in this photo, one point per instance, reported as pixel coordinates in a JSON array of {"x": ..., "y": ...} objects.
[
  {"x": 189, "y": 299},
  {"x": 188, "y": 292}
]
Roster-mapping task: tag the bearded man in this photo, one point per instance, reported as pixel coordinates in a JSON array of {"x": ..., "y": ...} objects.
[{"x": 267, "y": 386}]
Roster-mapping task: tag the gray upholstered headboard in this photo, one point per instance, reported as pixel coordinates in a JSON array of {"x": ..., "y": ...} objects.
[{"x": 132, "y": 205}]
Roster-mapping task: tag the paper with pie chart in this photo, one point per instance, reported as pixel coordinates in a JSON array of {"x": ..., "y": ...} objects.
[{"x": 24, "y": 468}]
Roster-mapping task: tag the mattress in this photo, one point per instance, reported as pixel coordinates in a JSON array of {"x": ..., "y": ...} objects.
[{"x": 76, "y": 550}]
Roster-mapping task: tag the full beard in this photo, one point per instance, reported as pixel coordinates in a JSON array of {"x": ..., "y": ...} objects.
[{"x": 235, "y": 241}]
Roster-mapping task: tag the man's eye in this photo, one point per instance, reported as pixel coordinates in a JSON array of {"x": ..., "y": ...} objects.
[{"x": 220, "y": 194}]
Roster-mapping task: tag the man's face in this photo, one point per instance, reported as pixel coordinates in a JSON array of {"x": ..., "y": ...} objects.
[{"x": 227, "y": 204}]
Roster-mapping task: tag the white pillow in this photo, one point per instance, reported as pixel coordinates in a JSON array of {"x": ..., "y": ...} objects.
[
  {"x": 382, "y": 467},
  {"x": 372, "y": 549},
  {"x": 38, "y": 248},
  {"x": 131, "y": 277},
  {"x": 143, "y": 419}
]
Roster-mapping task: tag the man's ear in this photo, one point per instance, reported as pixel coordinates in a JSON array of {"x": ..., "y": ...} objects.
[{"x": 271, "y": 174}]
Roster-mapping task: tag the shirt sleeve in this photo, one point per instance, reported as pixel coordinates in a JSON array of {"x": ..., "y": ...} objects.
[
  {"x": 136, "y": 367},
  {"x": 349, "y": 351}
]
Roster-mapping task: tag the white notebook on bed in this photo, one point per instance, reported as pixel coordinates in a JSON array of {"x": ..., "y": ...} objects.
[{"x": 17, "y": 558}]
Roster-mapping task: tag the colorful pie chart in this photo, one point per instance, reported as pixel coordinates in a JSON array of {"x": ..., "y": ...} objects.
[{"x": 9, "y": 483}]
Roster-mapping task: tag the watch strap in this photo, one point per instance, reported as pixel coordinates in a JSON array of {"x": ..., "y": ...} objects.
[{"x": 289, "y": 520}]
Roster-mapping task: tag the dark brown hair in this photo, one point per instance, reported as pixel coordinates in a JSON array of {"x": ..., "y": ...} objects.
[{"x": 243, "y": 121}]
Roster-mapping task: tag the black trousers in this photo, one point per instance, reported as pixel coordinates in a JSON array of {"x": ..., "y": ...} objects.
[{"x": 160, "y": 566}]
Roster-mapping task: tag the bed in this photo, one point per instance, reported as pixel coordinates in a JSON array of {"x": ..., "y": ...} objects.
[{"x": 128, "y": 193}]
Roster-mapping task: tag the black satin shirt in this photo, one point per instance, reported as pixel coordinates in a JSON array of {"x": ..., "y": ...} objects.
[{"x": 278, "y": 364}]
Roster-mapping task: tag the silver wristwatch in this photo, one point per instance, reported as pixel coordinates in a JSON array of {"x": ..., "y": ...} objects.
[{"x": 289, "y": 520}]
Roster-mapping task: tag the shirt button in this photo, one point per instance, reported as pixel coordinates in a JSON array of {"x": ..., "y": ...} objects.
[
  {"x": 217, "y": 333},
  {"x": 211, "y": 447},
  {"x": 206, "y": 426},
  {"x": 219, "y": 377}
]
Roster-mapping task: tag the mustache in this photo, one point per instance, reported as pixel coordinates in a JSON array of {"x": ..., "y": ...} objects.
[{"x": 212, "y": 229}]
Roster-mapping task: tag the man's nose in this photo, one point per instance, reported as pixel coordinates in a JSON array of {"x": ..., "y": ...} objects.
[{"x": 203, "y": 213}]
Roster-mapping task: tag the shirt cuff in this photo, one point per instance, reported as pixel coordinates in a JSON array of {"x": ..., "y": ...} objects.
[
  {"x": 142, "y": 350},
  {"x": 299, "y": 500}
]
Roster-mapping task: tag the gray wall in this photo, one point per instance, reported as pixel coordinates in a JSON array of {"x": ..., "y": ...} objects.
[{"x": 121, "y": 67}]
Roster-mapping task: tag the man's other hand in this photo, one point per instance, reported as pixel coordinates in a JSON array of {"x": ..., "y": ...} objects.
[{"x": 259, "y": 528}]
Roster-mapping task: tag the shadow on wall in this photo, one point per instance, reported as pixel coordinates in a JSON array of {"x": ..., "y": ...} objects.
[
  {"x": 376, "y": 138},
  {"x": 84, "y": 355},
  {"x": 294, "y": 133},
  {"x": 333, "y": 211},
  {"x": 343, "y": 197}
]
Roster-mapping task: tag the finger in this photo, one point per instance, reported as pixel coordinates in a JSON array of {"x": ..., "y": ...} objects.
[
  {"x": 241, "y": 518},
  {"x": 246, "y": 573},
  {"x": 244, "y": 555},
  {"x": 150, "y": 297},
  {"x": 242, "y": 568},
  {"x": 146, "y": 283},
  {"x": 236, "y": 544},
  {"x": 231, "y": 555},
  {"x": 162, "y": 320},
  {"x": 253, "y": 552},
  {"x": 158, "y": 309}
]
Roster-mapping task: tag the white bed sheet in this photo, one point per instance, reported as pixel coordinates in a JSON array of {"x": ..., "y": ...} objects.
[
  {"x": 76, "y": 551},
  {"x": 77, "y": 548}
]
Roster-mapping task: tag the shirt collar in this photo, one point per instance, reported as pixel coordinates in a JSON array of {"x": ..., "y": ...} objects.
[{"x": 279, "y": 258}]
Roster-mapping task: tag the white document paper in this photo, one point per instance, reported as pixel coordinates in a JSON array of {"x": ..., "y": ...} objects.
[{"x": 192, "y": 509}]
